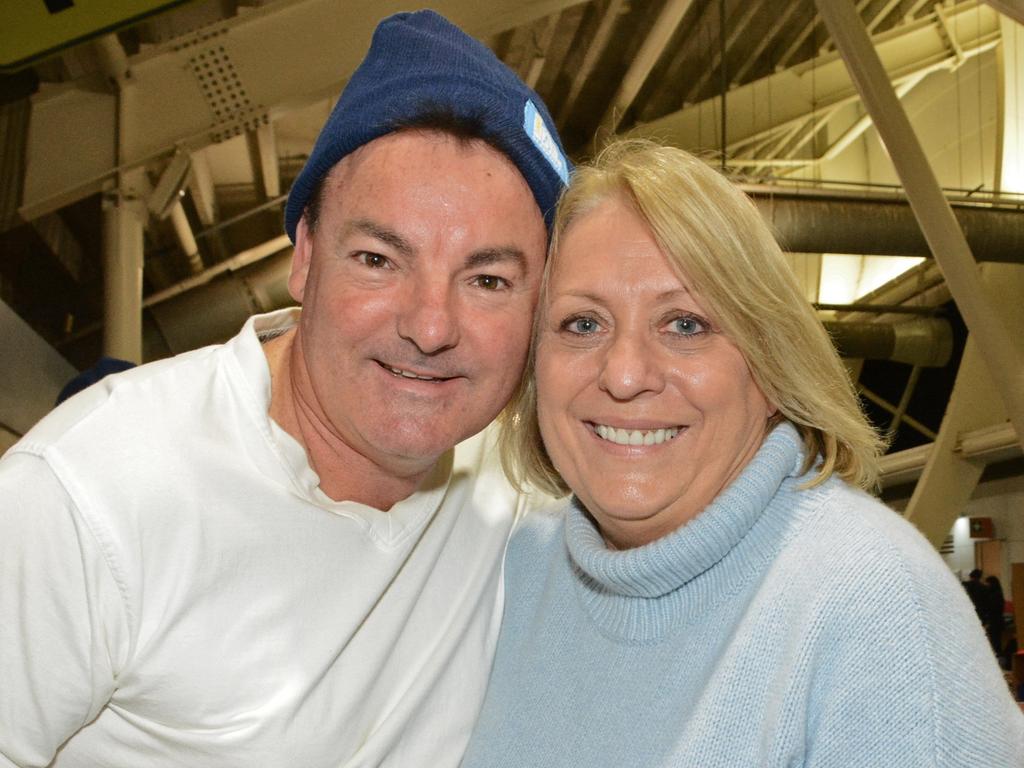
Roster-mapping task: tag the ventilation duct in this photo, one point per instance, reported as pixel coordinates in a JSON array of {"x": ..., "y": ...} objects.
[
  {"x": 927, "y": 342},
  {"x": 806, "y": 223}
]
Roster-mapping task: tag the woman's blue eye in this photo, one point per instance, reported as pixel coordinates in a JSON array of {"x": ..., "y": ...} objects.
[
  {"x": 581, "y": 325},
  {"x": 688, "y": 326}
]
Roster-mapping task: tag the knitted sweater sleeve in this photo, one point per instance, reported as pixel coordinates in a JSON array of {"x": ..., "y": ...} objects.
[
  {"x": 62, "y": 621},
  {"x": 904, "y": 674}
]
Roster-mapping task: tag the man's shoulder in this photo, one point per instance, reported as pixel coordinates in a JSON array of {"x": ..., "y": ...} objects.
[{"x": 134, "y": 401}]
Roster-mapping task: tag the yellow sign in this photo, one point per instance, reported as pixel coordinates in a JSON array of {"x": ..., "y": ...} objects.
[{"x": 34, "y": 29}]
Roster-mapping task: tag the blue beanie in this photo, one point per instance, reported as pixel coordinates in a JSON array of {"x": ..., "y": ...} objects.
[{"x": 418, "y": 62}]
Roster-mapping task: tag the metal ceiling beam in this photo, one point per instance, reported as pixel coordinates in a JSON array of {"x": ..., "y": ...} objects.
[
  {"x": 541, "y": 51},
  {"x": 815, "y": 87},
  {"x": 879, "y": 16},
  {"x": 1014, "y": 9},
  {"x": 650, "y": 51},
  {"x": 201, "y": 188},
  {"x": 829, "y": 44},
  {"x": 262, "y": 146},
  {"x": 597, "y": 47},
  {"x": 736, "y": 26},
  {"x": 984, "y": 445},
  {"x": 781, "y": 22},
  {"x": 264, "y": 62},
  {"x": 798, "y": 41},
  {"x": 559, "y": 51},
  {"x": 836, "y": 148},
  {"x": 682, "y": 61}
]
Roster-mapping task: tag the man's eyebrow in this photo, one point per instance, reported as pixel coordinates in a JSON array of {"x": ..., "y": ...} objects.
[
  {"x": 500, "y": 255},
  {"x": 379, "y": 232}
]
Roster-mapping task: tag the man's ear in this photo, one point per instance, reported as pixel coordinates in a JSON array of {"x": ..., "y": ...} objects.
[{"x": 301, "y": 258}]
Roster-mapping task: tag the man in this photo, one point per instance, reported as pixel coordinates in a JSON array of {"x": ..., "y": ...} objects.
[
  {"x": 976, "y": 591},
  {"x": 266, "y": 553}
]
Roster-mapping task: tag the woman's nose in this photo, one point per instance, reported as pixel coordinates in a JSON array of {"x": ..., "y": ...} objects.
[{"x": 631, "y": 367}]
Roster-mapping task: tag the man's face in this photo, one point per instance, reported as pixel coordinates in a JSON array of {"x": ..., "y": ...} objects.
[{"x": 418, "y": 289}]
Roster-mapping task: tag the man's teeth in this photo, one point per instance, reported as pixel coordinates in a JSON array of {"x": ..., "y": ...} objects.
[
  {"x": 408, "y": 375},
  {"x": 635, "y": 436}
]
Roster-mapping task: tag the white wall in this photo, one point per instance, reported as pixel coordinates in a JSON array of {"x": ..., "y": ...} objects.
[
  {"x": 31, "y": 375},
  {"x": 1003, "y": 501}
]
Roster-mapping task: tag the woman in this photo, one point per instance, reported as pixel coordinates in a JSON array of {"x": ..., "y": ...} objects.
[{"x": 719, "y": 592}]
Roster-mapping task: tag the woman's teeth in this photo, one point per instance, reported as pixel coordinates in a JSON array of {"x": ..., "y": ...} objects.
[{"x": 635, "y": 436}]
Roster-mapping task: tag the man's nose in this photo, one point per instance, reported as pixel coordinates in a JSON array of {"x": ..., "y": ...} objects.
[{"x": 428, "y": 317}]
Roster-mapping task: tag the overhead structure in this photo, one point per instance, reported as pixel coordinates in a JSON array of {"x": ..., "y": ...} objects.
[
  {"x": 773, "y": 118},
  {"x": 216, "y": 83}
]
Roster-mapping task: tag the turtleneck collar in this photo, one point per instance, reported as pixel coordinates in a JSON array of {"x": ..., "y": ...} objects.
[{"x": 637, "y": 592}]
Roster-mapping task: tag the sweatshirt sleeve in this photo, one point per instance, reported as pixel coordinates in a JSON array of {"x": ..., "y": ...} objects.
[
  {"x": 62, "y": 620},
  {"x": 908, "y": 677}
]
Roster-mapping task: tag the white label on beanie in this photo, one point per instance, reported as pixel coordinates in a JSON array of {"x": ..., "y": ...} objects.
[{"x": 544, "y": 141}]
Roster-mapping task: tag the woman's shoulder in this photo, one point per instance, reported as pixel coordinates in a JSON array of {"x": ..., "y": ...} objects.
[
  {"x": 850, "y": 523},
  {"x": 867, "y": 554}
]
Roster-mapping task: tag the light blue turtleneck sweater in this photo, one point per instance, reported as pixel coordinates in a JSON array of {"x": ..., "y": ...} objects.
[{"x": 780, "y": 627}]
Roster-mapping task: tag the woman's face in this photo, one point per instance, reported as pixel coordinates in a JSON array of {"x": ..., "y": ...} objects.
[{"x": 646, "y": 408}]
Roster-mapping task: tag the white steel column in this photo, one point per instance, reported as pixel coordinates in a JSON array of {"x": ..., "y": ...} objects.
[
  {"x": 1002, "y": 353},
  {"x": 952, "y": 470},
  {"x": 123, "y": 220}
]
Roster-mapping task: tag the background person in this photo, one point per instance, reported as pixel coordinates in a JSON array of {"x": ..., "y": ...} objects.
[
  {"x": 977, "y": 592},
  {"x": 266, "y": 553},
  {"x": 994, "y": 621},
  {"x": 719, "y": 593}
]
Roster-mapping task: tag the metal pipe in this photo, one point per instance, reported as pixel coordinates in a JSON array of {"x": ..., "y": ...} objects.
[
  {"x": 877, "y": 309},
  {"x": 924, "y": 342},
  {"x": 214, "y": 311},
  {"x": 817, "y": 224}
]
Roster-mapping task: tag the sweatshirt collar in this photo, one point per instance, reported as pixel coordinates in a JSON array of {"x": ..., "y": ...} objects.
[{"x": 619, "y": 585}]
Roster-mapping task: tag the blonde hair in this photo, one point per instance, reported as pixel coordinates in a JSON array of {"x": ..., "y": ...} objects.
[{"x": 713, "y": 234}]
